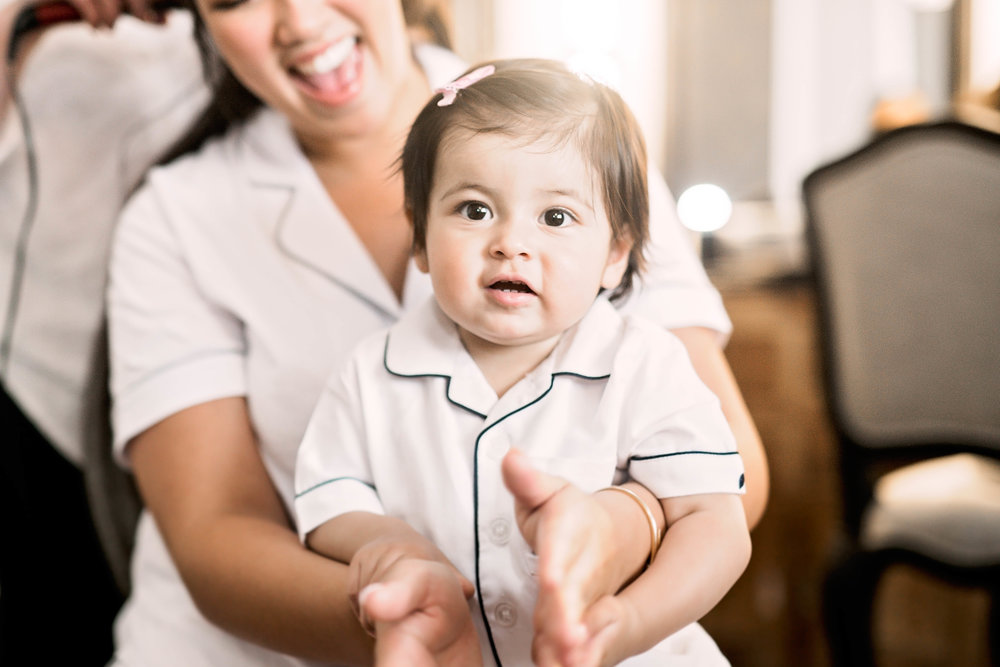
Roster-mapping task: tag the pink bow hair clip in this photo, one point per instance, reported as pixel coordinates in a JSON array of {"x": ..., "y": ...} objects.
[{"x": 450, "y": 90}]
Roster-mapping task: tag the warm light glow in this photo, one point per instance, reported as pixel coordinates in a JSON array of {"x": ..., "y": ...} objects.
[
  {"x": 930, "y": 5},
  {"x": 704, "y": 208},
  {"x": 618, "y": 43}
]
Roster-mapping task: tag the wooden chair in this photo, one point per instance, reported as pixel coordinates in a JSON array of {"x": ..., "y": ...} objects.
[{"x": 904, "y": 236}]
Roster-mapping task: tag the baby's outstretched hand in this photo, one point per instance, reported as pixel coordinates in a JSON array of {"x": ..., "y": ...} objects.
[
  {"x": 372, "y": 563},
  {"x": 420, "y": 616},
  {"x": 579, "y": 568}
]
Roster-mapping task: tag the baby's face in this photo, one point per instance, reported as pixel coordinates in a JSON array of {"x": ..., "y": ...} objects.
[{"x": 518, "y": 242}]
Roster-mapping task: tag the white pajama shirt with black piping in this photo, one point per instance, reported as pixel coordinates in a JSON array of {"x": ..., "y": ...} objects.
[{"x": 411, "y": 428}]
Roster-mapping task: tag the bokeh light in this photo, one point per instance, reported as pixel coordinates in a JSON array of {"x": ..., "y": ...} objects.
[{"x": 704, "y": 207}]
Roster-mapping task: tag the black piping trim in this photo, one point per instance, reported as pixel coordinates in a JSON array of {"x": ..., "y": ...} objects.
[
  {"x": 475, "y": 465},
  {"x": 446, "y": 378},
  {"x": 331, "y": 481},
  {"x": 475, "y": 495},
  {"x": 663, "y": 456}
]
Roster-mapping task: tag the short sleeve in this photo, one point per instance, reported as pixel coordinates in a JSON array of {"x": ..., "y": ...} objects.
[
  {"x": 682, "y": 444},
  {"x": 333, "y": 473},
  {"x": 674, "y": 290},
  {"x": 171, "y": 346}
]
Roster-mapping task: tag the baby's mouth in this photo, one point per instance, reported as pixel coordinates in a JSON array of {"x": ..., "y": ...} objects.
[{"x": 511, "y": 286}]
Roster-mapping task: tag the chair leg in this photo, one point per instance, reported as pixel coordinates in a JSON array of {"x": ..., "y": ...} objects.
[
  {"x": 994, "y": 627},
  {"x": 848, "y": 601}
]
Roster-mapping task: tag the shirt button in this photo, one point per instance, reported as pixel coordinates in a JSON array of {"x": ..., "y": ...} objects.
[
  {"x": 531, "y": 564},
  {"x": 499, "y": 531},
  {"x": 505, "y": 614}
]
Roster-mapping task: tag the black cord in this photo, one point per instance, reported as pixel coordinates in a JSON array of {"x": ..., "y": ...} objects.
[{"x": 27, "y": 221}]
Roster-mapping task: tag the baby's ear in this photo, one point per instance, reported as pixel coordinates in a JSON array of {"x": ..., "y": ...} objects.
[
  {"x": 614, "y": 268},
  {"x": 419, "y": 254}
]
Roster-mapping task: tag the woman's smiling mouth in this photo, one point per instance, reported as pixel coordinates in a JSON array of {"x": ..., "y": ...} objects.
[
  {"x": 333, "y": 75},
  {"x": 328, "y": 59}
]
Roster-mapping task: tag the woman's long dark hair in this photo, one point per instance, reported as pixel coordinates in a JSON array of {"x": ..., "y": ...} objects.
[{"x": 231, "y": 103}]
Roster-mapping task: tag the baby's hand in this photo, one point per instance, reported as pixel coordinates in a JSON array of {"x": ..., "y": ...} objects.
[
  {"x": 579, "y": 568},
  {"x": 421, "y": 617},
  {"x": 374, "y": 560}
]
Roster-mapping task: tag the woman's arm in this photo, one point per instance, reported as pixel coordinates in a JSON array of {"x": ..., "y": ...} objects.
[
  {"x": 201, "y": 476},
  {"x": 712, "y": 367}
]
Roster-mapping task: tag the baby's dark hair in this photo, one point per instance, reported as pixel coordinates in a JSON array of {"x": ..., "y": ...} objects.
[{"x": 532, "y": 100}]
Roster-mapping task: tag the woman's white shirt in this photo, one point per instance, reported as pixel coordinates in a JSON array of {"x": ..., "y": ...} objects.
[{"x": 233, "y": 274}]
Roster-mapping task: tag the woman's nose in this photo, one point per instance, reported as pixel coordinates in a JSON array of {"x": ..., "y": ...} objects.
[
  {"x": 510, "y": 240},
  {"x": 298, "y": 21}
]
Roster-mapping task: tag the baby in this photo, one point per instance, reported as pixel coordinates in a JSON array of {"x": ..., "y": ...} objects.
[{"x": 526, "y": 186}]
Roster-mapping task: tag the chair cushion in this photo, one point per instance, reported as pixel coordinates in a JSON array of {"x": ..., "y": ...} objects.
[{"x": 947, "y": 508}]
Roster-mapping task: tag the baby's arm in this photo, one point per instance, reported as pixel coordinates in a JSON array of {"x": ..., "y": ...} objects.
[
  {"x": 587, "y": 550},
  {"x": 704, "y": 551},
  {"x": 404, "y": 590}
]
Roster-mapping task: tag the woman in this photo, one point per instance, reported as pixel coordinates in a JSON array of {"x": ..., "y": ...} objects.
[{"x": 242, "y": 274}]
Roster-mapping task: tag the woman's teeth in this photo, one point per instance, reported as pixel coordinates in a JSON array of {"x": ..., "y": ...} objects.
[{"x": 330, "y": 59}]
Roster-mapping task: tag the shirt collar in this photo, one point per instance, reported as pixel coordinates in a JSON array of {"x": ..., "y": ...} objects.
[
  {"x": 287, "y": 190},
  {"x": 425, "y": 343}
]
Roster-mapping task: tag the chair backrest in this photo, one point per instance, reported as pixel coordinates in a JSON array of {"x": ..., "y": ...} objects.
[{"x": 904, "y": 237}]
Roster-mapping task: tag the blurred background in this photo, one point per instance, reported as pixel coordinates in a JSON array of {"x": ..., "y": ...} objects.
[{"x": 750, "y": 96}]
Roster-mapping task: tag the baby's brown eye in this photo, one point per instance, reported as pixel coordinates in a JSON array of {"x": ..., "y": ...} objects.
[
  {"x": 475, "y": 211},
  {"x": 555, "y": 217}
]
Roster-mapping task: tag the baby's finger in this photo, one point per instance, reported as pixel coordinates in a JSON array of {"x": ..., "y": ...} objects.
[
  {"x": 557, "y": 623},
  {"x": 544, "y": 652},
  {"x": 603, "y": 622},
  {"x": 387, "y": 602},
  {"x": 530, "y": 487},
  {"x": 468, "y": 588}
]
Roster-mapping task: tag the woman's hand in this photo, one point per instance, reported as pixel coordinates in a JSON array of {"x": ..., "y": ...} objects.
[
  {"x": 104, "y": 13},
  {"x": 421, "y": 616},
  {"x": 583, "y": 559}
]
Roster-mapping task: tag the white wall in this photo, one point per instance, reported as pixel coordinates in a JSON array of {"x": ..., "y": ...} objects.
[
  {"x": 830, "y": 61},
  {"x": 985, "y": 44},
  {"x": 833, "y": 60},
  {"x": 621, "y": 43}
]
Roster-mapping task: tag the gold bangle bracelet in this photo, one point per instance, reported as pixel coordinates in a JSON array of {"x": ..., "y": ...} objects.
[{"x": 654, "y": 528}]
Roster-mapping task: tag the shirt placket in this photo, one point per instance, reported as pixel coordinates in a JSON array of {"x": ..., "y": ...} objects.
[{"x": 505, "y": 569}]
